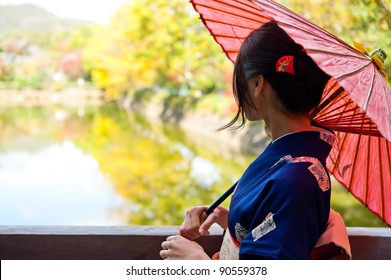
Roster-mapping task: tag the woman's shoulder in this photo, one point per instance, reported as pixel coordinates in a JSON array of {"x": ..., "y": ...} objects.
[{"x": 302, "y": 172}]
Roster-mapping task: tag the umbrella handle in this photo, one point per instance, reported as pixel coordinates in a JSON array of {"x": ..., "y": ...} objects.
[
  {"x": 218, "y": 201},
  {"x": 203, "y": 217}
]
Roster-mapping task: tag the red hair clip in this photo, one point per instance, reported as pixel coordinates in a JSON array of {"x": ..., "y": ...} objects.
[{"x": 285, "y": 64}]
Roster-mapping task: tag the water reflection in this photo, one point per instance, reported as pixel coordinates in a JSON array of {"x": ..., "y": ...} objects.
[
  {"x": 202, "y": 171},
  {"x": 59, "y": 184},
  {"x": 102, "y": 167}
]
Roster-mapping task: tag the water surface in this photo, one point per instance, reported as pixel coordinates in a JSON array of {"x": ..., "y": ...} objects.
[{"x": 102, "y": 166}]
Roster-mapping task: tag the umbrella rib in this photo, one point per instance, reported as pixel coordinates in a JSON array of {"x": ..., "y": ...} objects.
[
  {"x": 342, "y": 117},
  {"x": 388, "y": 108},
  {"x": 354, "y": 162},
  {"x": 386, "y": 89},
  {"x": 357, "y": 129},
  {"x": 241, "y": 2},
  {"x": 358, "y": 55},
  {"x": 373, "y": 133},
  {"x": 347, "y": 120},
  {"x": 230, "y": 25},
  {"x": 334, "y": 39},
  {"x": 285, "y": 11},
  {"x": 230, "y": 37},
  {"x": 367, "y": 172},
  {"x": 319, "y": 36},
  {"x": 235, "y": 7},
  {"x": 336, "y": 107},
  {"x": 337, "y": 159},
  {"x": 290, "y": 14},
  {"x": 388, "y": 148},
  {"x": 326, "y": 102},
  {"x": 370, "y": 90},
  {"x": 340, "y": 114},
  {"x": 353, "y": 72},
  {"x": 258, "y": 13},
  {"x": 245, "y": 4},
  {"x": 352, "y": 130},
  {"x": 233, "y": 13},
  {"x": 329, "y": 38},
  {"x": 334, "y": 99},
  {"x": 381, "y": 176}
]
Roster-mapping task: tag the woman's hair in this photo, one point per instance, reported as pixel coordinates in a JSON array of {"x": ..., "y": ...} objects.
[{"x": 262, "y": 52}]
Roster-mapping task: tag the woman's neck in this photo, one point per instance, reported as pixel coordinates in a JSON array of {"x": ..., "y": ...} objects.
[{"x": 281, "y": 124}]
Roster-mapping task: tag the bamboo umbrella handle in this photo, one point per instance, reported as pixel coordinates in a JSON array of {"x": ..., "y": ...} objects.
[{"x": 220, "y": 200}]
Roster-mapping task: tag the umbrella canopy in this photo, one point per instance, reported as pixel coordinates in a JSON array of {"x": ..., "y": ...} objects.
[{"x": 356, "y": 103}]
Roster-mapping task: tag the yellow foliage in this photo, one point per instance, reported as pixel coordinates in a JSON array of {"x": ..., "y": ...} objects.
[{"x": 153, "y": 43}]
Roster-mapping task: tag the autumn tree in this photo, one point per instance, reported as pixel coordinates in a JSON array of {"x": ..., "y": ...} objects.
[
  {"x": 155, "y": 43},
  {"x": 163, "y": 44}
]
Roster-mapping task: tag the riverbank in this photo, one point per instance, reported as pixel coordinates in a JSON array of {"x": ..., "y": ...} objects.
[
  {"x": 201, "y": 123},
  {"x": 72, "y": 97},
  {"x": 201, "y": 126}
]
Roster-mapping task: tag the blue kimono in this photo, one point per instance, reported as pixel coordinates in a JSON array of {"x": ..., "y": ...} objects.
[{"x": 281, "y": 204}]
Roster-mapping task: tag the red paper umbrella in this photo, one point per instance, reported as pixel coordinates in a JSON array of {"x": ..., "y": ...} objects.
[{"x": 356, "y": 103}]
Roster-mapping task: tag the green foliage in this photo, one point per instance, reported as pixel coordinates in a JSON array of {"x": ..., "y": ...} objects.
[
  {"x": 353, "y": 212},
  {"x": 159, "y": 44},
  {"x": 214, "y": 104},
  {"x": 150, "y": 43}
]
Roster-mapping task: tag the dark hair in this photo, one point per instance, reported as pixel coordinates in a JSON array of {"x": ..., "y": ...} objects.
[{"x": 259, "y": 53}]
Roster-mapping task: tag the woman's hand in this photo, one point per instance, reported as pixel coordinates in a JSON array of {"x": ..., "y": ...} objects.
[
  {"x": 193, "y": 227},
  {"x": 177, "y": 247}
]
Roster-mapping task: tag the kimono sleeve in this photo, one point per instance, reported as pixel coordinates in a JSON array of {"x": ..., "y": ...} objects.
[{"x": 290, "y": 218}]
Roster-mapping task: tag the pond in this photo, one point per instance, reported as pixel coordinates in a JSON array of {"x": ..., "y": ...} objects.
[{"x": 104, "y": 166}]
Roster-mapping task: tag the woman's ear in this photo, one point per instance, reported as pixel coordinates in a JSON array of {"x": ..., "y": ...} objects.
[{"x": 259, "y": 85}]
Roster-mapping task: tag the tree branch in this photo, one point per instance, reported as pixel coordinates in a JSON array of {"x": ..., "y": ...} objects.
[{"x": 386, "y": 9}]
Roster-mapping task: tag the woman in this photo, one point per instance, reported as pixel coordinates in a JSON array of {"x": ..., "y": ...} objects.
[{"x": 281, "y": 204}]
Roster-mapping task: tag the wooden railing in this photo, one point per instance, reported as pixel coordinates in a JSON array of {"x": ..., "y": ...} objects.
[{"x": 140, "y": 242}]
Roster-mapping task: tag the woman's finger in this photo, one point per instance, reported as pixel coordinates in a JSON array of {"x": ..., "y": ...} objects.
[
  {"x": 164, "y": 254},
  {"x": 165, "y": 245},
  {"x": 191, "y": 224},
  {"x": 170, "y": 238}
]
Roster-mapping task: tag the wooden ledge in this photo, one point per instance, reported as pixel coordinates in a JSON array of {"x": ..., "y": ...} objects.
[{"x": 140, "y": 242}]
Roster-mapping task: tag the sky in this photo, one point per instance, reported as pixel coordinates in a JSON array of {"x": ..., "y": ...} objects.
[
  {"x": 82, "y": 194},
  {"x": 99, "y": 11}
]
